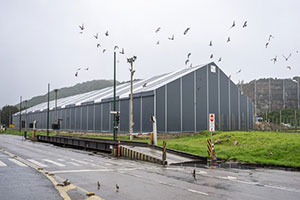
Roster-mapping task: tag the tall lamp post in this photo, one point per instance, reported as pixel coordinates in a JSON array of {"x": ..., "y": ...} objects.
[
  {"x": 114, "y": 114},
  {"x": 131, "y": 61}
]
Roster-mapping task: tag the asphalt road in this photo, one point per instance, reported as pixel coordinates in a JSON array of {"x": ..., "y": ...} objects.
[{"x": 140, "y": 180}]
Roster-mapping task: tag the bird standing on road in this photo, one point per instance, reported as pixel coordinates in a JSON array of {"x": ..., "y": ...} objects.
[
  {"x": 186, "y": 31},
  {"x": 98, "y": 185},
  {"x": 194, "y": 174},
  {"x": 117, "y": 188}
]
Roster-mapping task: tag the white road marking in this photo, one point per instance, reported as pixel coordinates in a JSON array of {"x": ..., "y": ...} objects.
[
  {"x": 195, "y": 191},
  {"x": 88, "y": 160},
  {"x": 55, "y": 163},
  {"x": 62, "y": 160},
  {"x": 282, "y": 188},
  {"x": 2, "y": 164},
  {"x": 83, "y": 162},
  {"x": 227, "y": 178},
  {"x": 82, "y": 170},
  {"x": 74, "y": 163},
  {"x": 37, "y": 163},
  {"x": 17, "y": 162},
  {"x": 107, "y": 164}
]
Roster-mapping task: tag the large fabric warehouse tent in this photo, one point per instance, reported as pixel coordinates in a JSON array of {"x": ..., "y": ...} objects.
[{"x": 181, "y": 102}]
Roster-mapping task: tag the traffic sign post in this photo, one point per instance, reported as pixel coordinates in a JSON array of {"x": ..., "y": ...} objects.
[{"x": 211, "y": 130}]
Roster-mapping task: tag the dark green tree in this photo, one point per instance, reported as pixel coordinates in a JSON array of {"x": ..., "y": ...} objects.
[{"x": 6, "y": 114}]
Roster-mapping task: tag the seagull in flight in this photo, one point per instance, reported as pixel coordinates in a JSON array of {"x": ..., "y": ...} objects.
[
  {"x": 210, "y": 43},
  {"x": 239, "y": 71},
  {"x": 274, "y": 59},
  {"x": 106, "y": 33},
  {"x": 191, "y": 65},
  {"x": 267, "y": 44},
  {"x": 186, "y": 62},
  {"x": 171, "y": 38},
  {"x": 86, "y": 68},
  {"x": 122, "y": 52},
  {"x": 76, "y": 74},
  {"x": 189, "y": 54},
  {"x": 289, "y": 67},
  {"x": 287, "y": 58},
  {"x": 145, "y": 84},
  {"x": 96, "y": 36},
  {"x": 81, "y": 27},
  {"x": 220, "y": 59},
  {"x": 233, "y": 25},
  {"x": 78, "y": 69},
  {"x": 211, "y": 56},
  {"x": 98, "y": 45},
  {"x": 103, "y": 50},
  {"x": 228, "y": 39},
  {"x": 186, "y": 31},
  {"x": 157, "y": 42},
  {"x": 245, "y": 24},
  {"x": 157, "y": 30},
  {"x": 270, "y": 37}
]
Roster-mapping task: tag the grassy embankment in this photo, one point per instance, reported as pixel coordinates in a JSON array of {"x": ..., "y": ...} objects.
[{"x": 278, "y": 148}]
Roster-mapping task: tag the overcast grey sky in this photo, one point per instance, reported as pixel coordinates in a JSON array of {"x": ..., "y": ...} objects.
[{"x": 40, "y": 40}]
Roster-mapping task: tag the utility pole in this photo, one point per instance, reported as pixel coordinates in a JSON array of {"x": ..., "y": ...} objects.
[
  {"x": 48, "y": 110},
  {"x": 20, "y": 121},
  {"x": 114, "y": 115},
  {"x": 56, "y": 121},
  {"x": 131, "y": 61}
]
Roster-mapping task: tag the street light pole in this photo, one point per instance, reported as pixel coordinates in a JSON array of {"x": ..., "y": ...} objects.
[
  {"x": 131, "y": 123},
  {"x": 114, "y": 115}
]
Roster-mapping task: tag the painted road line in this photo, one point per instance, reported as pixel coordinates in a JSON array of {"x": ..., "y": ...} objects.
[
  {"x": 198, "y": 192},
  {"x": 282, "y": 188},
  {"x": 17, "y": 162},
  {"x": 83, "y": 162},
  {"x": 107, "y": 164},
  {"x": 37, "y": 163},
  {"x": 62, "y": 160},
  {"x": 2, "y": 164},
  {"x": 227, "y": 177},
  {"x": 81, "y": 170},
  {"x": 88, "y": 160},
  {"x": 74, "y": 163},
  {"x": 55, "y": 163}
]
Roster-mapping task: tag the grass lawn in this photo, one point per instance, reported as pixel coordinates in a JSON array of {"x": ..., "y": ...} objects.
[{"x": 278, "y": 148}]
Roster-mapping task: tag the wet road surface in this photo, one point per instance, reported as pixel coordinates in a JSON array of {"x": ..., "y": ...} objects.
[{"x": 141, "y": 180}]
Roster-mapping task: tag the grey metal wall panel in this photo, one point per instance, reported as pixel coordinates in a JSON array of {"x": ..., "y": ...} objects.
[
  {"x": 68, "y": 118},
  {"x": 213, "y": 93},
  {"x": 201, "y": 99},
  {"x": 124, "y": 116},
  {"x": 106, "y": 116},
  {"x": 78, "y": 117},
  {"x": 148, "y": 108},
  {"x": 84, "y": 118},
  {"x": 90, "y": 117},
  {"x": 188, "y": 102},
  {"x": 243, "y": 107},
  {"x": 251, "y": 114},
  {"x": 160, "y": 109},
  {"x": 73, "y": 120},
  {"x": 234, "y": 106},
  {"x": 224, "y": 102},
  {"x": 98, "y": 117},
  {"x": 136, "y": 114},
  {"x": 173, "y": 106}
]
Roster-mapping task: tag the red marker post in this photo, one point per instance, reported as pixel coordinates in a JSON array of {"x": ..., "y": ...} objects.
[{"x": 211, "y": 130}]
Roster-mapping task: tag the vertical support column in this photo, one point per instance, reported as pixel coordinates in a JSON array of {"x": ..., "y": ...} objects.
[
  {"x": 87, "y": 117},
  {"x": 181, "y": 125},
  {"x": 109, "y": 117},
  {"x": 80, "y": 117},
  {"x": 119, "y": 125},
  {"x": 166, "y": 108},
  {"x": 75, "y": 120},
  {"x": 270, "y": 104},
  {"x": 195, "y": 102},
  {"x": 154, "y": 106}
]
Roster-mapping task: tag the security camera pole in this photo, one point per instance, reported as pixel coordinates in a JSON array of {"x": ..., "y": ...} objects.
[{"x": 131, "y": 61}]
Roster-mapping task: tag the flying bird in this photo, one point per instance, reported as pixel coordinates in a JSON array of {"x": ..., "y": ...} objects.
[
  {"x": 76, "y": 74},
  {"x": 287, "y": 58},
  {"x": 98, "y": 45},
  {"x": 145, "y": 84},
  {"x": 191, "y": 65},
  {"x": 106, "y": 33},
  {"x": 270, "y": 37},
  {"x": 157, "y": 42},
  {"x": 186, "y": 62},
  {"x": 81, "y": 27},
  {"x": 245, "y": 24},
  {"x": 86, "y": 68},
  {"x": 103, "y": 50},
  {"x": 274, "y": 59},
  {"x": 98, "y": 185},
  {"x": 157, "y": 30},
  {"x": 122, "y": 52},
  {"x": 116, "y": 47},
  {"x": 229, "y": 76},
  {"x": 78, "y": 69},
  {"x": 220, "y": 59},
  {"x": 233, "y": 24},
  {"x": 189, "y": 54},
  {"x": 117, "y": 188},
  {"x": 228, "y": 39},
  {"x": 186, "y": 30},
  {"x": 289, "y": 67},
  {"x": 171, "y": 38},
  {"x": 211, "y": 56},
  {"x": 297, "y": 51},
  {"x": 267, "y": 44},
  {"x": 239, "y": 71},
  {"x": 210, "y": 43},
  {"x": 96, "y": 36}
]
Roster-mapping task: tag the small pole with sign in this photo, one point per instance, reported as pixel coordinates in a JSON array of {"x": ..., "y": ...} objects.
[{"x": 211, "y": 130}]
